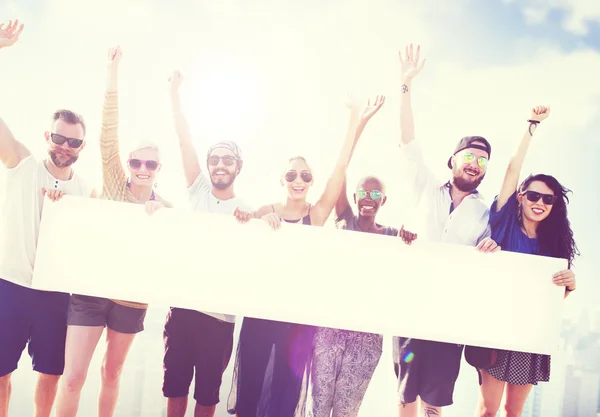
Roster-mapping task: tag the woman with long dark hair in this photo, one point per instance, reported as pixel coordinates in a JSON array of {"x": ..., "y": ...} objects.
[{"x": 531, "y": 219}]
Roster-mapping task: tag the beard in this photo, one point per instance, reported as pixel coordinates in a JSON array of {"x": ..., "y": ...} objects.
[
  {"x": 466, "y": 185},
  {"x": 219, "y": 184},
  {"x": 62, "y": 160}
]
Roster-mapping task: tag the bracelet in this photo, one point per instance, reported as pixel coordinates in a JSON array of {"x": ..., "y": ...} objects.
[{"x": 569, "y": 290}]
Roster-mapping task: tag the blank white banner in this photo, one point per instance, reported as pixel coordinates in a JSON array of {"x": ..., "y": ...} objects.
[{"x": 300, "y": 274}]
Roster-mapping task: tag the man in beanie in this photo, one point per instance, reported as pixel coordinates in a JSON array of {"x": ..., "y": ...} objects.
[
  {"x": 197, "y": 340},
  {"x": 451, "y": 211}
]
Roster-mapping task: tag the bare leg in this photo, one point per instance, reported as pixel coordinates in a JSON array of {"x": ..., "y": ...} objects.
[
  {"x": 408, "y": 409},
  {"x": 176, "y": 407},
  {"x": 204, "y": 411},
  {"x": 45, "y": 394},
  {"x": 117, "y": 348},
  {"x": 79, "y": 350},
  {"x": 490, "y": 395},
  {"x": 5, "y": 389},
  {"x": 430, "y": 410},
  {"x": 516, "y": 395}
]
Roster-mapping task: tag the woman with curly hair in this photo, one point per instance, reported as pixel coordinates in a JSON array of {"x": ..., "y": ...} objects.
[{"x": 531, "y": 219}]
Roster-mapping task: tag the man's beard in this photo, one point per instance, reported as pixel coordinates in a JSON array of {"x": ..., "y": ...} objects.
[
  {"x": 71, "y": 159},
  {"x": 466, "y": 185},
  {"x": 222, "y": 185}
]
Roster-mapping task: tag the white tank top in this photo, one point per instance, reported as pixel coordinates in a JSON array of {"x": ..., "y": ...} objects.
[{"x": 22, "y": 200}]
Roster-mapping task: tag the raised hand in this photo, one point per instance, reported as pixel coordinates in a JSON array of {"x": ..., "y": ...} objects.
[
  {"x": 114, "y": 57},
  {"x": 540, "y": 113},
  {"x": 175, "y": 80},
  {"x": 353, "y": 103},
  {"x": 10, "y": 34},
  {"x": 364, "y": 113},
  {"x": 372, "y": 108},
  {"x": 409, "y": 64}
]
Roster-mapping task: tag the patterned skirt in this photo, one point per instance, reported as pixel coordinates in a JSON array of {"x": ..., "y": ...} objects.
[{"x": 520, "y": 368}]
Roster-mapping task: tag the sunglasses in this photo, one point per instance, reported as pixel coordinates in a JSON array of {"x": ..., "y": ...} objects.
[
  {"x": 481, "y": 161},
  {"x": 60, "y": 139},
  {"x": 534, "y": 197},
  {"x": 292, "y": 175},
  {"x": 228, "y": 160},
  {"x": 374, "y": 194},
  {"x": 137, "y": 164}
]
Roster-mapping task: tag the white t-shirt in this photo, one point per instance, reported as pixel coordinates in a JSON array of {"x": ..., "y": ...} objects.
[
  {"x": 202, "y": 199},
  {"x": 21, "y": 216}
]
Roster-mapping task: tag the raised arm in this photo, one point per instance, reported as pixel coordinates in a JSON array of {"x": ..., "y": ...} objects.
[
  {"x": 191, "y": 165},
  {"x": 410, "y": 68},
  {"x": 342, "y": 202},
  {"x": 356, "y": 124},
  {"x": 513, "y": 172},
  {"x": 11, "y": 151},
  {"x": 112, "y": 168},
  {"x": 415, "y": 173}
]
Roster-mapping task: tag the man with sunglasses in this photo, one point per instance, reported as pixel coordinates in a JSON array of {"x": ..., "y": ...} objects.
[
  {"x": 28, "y": 317},
  {"x": 195, "y": 340},
  {"x": 451, "y": 211}
]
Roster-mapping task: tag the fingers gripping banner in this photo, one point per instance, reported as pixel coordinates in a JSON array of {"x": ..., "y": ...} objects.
[{"x": 309, "y": 275}]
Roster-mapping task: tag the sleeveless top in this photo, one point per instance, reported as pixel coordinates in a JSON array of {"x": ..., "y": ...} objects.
[{"x": 303, "y": 220}]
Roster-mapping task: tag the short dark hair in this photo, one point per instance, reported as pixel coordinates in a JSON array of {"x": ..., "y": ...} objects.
[{"x": 69, "y": 117}]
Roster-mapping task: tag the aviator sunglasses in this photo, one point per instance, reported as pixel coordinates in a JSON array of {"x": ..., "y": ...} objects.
[
  {"x": 228, "y": 160},
  {"x": 137, "y": 164},
  {"x": 60, "y": 139},
  {"x": 481, "y": 161},
  {"x": 534, "y": 197},
  {"x": 292, "y": 175},
  {"x": 374, "y": 194}
]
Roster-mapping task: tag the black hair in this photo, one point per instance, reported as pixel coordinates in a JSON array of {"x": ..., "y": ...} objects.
[{"x": 555, "y": 235}]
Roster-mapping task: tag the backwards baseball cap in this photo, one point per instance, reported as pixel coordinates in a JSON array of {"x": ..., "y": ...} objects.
[
  {"x": 228, "y": 144},
  {"x": 467, "y": 142}
]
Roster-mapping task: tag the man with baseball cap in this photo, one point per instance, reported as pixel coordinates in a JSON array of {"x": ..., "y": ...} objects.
[
  {"x": 197, "y": 340},
  {"x": 452, "y": 211}
]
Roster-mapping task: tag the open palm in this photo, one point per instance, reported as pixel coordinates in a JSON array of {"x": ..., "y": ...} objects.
[
  {"x": 372, "y": 108},
  {"x": 410, "y": 65},
  {"x": 10, "y": 34}
]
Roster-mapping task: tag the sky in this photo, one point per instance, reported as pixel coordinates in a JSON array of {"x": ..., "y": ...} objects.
[{"x": 273, "y": 76}]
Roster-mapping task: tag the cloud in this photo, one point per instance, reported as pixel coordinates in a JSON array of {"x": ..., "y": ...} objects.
[{"x": 578, "y": 14}]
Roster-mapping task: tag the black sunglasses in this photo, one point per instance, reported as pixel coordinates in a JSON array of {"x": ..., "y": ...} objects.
[
  {"x": 228, "y": 160},
  {"x": 60, "y": 139},
  {"x": 137, "y": 163},
  {"x": 534, "y": 197},
  {"x": 292, "y": 175}
]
